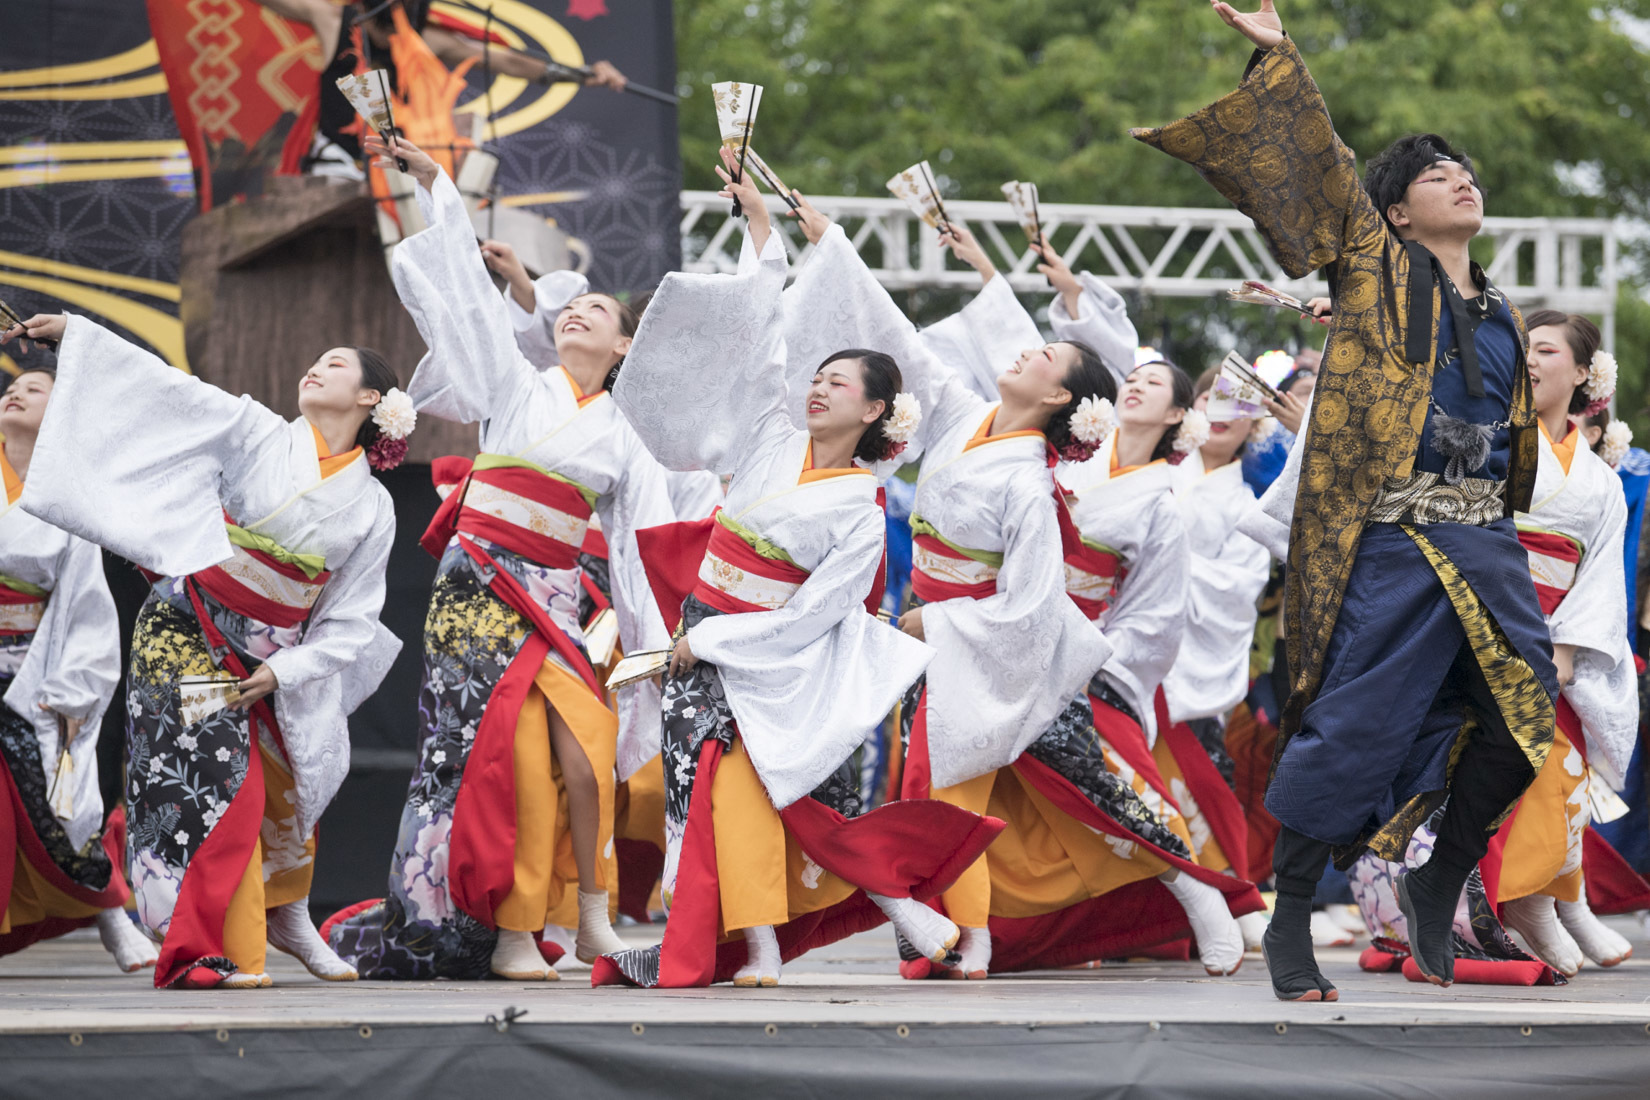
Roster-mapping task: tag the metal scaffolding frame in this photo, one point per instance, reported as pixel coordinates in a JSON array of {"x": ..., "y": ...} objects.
[{"x": 1183, "y": 252}]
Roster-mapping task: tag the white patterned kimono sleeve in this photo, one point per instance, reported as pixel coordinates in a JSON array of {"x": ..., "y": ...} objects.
[
  {"x": 1102, "y": 322},
  {"x": 1145, "y": 622},
  {"x": 984, "y": 338},
  {"x": 1593, "y": 618},
  {"x": 1267, "y": 521},
  {"x": 133, "y": 453},
  {"x": 73, "y": 667},
  {"x": 473, "y": 365},
  {"x": 703, "y": 383},
  {"x": 536, "y": 331},
  {"x": 642, "y": 500},
  {"x": 837, "y": 303},
  {"x": 992, "y": 691}
]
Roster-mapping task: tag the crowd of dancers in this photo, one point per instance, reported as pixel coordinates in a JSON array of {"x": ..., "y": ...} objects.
[{"x": 1043, "y": 744}]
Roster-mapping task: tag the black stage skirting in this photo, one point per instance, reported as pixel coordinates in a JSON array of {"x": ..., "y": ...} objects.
[{"x": 1004, "y": 1062}]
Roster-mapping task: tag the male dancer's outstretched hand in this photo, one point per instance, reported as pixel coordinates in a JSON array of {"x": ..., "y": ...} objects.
[{"x": 1263, "y": 28}]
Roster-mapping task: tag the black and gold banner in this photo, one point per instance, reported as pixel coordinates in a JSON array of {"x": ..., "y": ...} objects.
[{"x": 96, "y": 184}]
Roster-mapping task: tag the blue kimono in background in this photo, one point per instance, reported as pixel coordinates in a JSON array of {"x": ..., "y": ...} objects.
[{"x": 1630, "y": 834}]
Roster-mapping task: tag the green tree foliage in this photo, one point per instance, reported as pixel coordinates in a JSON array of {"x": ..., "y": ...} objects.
[{"x": 1552, "y": 97}]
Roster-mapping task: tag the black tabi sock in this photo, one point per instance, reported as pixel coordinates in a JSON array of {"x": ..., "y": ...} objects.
[
  {"x": 1288, "y": 945},
  {"x": 1434, "y": 891}
]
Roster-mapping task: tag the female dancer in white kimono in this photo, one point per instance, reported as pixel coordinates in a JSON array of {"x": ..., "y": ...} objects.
[
  {"x": 1074, "y": 877},
  {"x": 1130, "y": 576},
  {"x": 59, "y": 666},
  {"x": 514, "y": 717},
  {"x": 1573, "y": 532},
  {"x": 780, "y": 670},
  {"x": 639, "y": 807},
  {"x": 1228, "y": 571},
  {"x": 268, "y": 541}
]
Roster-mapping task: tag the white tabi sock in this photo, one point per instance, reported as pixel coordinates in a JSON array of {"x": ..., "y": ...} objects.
[
  {"x": 1327, "y": 931},
  {"x": 1535, "y": 918},
  {"x": 596, "y": 936},
  {"x": 931, "y": 934},
  {"x": 290, "y": 930},
  {"x": 1219, "y": 941},
  {"x": 761, "y": 959},
  {"x": 974, "y": 945},
  {"x": 1252, "y": 926},
  {"x": 121, "y": 938},
  {"x": 1597, "y": 940},
  {"x": 517, "y": 957}
]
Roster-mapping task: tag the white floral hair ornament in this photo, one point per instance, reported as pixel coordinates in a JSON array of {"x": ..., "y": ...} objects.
[
  {"x": 1091, "y": 422},
  {"x": 901, "y": 426},
  {"x": 1617, "y": 441},
  {"x": 1193, "y": 433},
  {"x": 1601, "y": 382},
  {"x": 395, "y": 419}
]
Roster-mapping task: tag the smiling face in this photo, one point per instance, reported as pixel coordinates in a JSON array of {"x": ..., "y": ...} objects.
[
  {"x": 24, "y": 404},
  {"x": 1146, "y": 399},
  {"x": 591, "y": 327},
  {"x": 1226, "y": 437},
  {"x": 1039, "y": 376},
  {"x": 333, "y": 385},
  {"x": 836, "y": 403},
  {"x": 1443, "y": 201},
  {"x": 1554, "y": 372}
]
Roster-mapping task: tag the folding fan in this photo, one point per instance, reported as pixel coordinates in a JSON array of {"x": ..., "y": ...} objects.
[
  {"x": 1238, "y": 392},
  {"x": 1022, "y": 199},
  {"x": 736, "y": 106},
  {"x": 915, "y": 187},
  {"x": 369, "y": 94}
]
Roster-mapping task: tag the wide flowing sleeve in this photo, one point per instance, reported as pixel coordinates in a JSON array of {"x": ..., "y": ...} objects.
[
  {"x": 473, "y": 365},
  {"x": 836, "y": 303},
  {"x": 809, "y": 681},
  {"x": 82, "y": 635},
  {"x": 984, "y": 338},
  {"x": 536, "y": 330},
  {"x": 1267, "y": 520},
  {"x": 1102, "y": 322},
  {"x": 1145, "y": 622},
  {"x": 1013, "y": 660},
  {"x": 703, "y": 383},
  {"x": 694, "y": 494},
  {"x": 73, "y": 667},
  {"x": 133, "y": 454},
  {"x": 1593, "y": 618},
  {"x": 1211, "y": 673},
  {"x": 641, "y": 500},
  {"x": 1271, "y": 149},
  {"x": 342, "y": 659}
]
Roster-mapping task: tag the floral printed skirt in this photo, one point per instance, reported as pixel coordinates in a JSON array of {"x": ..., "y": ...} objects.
[
  {"x": 191, "y": 835},
  {"x": 475, "y": 646}
]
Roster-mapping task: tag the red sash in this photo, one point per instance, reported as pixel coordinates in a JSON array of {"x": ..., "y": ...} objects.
[
  {"x": 931, "y": 589},
  {"x": 20, "y": 612},
  {"x": 673, "y": 552},
  {"x": 1106, "y": 565},
  {"x": 235, "y": 594},
  {"x": 459, "y": 515},
  {"x": 1545, "y": 544},
  {"x": 726, "y": 546}
]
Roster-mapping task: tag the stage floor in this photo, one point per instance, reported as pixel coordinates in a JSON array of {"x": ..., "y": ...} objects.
[
  {"x": 71, "y": 984},
  {"x": 842, "y": 1024}
]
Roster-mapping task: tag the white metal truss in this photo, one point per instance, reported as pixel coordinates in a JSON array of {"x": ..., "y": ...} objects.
[{"x": 1185, "y": 252}]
